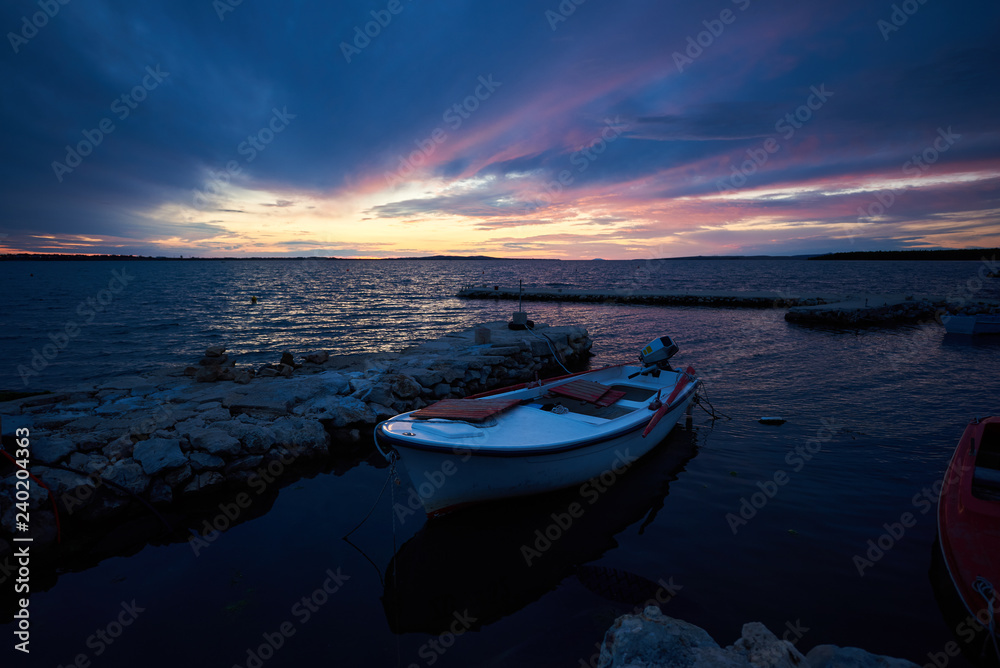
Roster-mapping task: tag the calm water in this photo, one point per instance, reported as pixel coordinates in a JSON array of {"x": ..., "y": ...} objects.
[{"x": 885, "y": 409}]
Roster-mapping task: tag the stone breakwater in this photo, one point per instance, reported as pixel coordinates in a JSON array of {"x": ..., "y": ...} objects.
[
  {"x": 111, "y": 451},
  {"x": 886, "y": 310},
  {"x": 654, "y": 640},
  {"x": 650, "y": 297},
  {"x": 824, "y": 310}
]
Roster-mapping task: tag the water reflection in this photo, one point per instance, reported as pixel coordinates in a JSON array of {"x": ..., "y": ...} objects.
[
  {"x": 493, "y": 559},
  {"x": 969, "y": 637}
]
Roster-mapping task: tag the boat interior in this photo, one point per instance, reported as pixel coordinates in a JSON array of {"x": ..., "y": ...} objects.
[
  {"x": 634, "y": 398},
  {"x": 986, "y": 478}
]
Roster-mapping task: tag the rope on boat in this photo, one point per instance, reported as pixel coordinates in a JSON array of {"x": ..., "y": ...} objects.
[
  {"x": 392, "y": 472},
  {"x": 985, "y": 589}
]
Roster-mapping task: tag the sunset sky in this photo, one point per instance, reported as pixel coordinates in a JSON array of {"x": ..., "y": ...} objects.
[{"x": 508, "y": 128}]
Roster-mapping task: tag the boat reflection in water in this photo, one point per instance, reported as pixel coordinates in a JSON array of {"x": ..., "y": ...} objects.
[
  {"x": 494, "y": 558},
  {"x": 971, "y": 639}
]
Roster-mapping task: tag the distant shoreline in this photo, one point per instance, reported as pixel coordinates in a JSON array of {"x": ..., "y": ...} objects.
[{"x": 960, "y": 254}]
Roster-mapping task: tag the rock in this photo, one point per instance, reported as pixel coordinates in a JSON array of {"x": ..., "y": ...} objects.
[
  {"x": 216, "y": 360},
  {"x": 216, "y": 442},
  {"x": 301, "y": 435},
  {"x": 191, "y": 371},
  {"x": 208, "y": 374},
  {"x": 215, "y": 351},
  {"x": 383, "y": 412},
  {"x": 759, "y": 647},
  {"x": 831, "y": 656},
  {"x": 403, "y": 386},
  {"x": 340, "y": 410},
  {"x": 264, "y": 401},
  {"x": 63, "y": 483},
  {"x": 442, "y": 390},
  {"x": 247, "y": 463},
  {"x": 318, "y": 358},
  {"x": 425, "y": 377},
  {"x": 89, "y": 464},
  {"x": 288, "y": 360},
  {"x": 286, "y": 370},
  {"x": 267, "y": 372},
  {"x": 49, "y": 450},
  {"x": 653, "y": 640},
  {"x": 242, "y": 377},
  {"x": 161, "y": 494},
  {"x": 202, "y": 461},
  {"x": 178, "y": 476},
  {"x": 159, "y": 454},
  {"x": 256, "y": 439},
  {"x": 11, "y": 423},
  {"x": 205, "y": 482},
  {"x": 216, "y": 415},
  {"x": 129, "y": 474}
]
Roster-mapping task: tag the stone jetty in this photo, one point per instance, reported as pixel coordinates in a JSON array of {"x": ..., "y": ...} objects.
[
  {"x": 654, "y": 640},
  {"x": 886, "y": 310},
  {"x": 764, "y": 299},
  {"x": 115, "y": 450},
  {"x": 870, "y": 310}
]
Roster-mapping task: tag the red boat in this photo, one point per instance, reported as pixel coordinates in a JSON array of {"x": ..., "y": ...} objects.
[{"x": 969, "y": 520}]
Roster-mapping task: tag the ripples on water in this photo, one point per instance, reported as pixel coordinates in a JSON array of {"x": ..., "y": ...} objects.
[
  {"x": 887, "y": 405},
  {"x": 171, "y": 311}
]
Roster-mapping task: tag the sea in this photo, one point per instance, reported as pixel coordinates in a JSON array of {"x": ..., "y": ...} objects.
[{"x": 822, "y": 528}]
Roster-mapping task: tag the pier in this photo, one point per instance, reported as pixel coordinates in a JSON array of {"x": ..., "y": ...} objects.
[{"x": 868, "y": 310}]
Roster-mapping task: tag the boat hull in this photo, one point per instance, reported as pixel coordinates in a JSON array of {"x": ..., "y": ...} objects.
[
  {"x": 972, "y": 324},
  {"x": 969, "y": 516},
  {"x": 445, "y": 478}
]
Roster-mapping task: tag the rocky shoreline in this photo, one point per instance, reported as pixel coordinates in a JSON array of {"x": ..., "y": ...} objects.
[
  {"x": 152, "y": 446},
  {"x": 653, "y": 640}
]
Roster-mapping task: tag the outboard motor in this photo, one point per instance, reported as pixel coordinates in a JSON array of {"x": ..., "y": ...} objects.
[{"x": 656, "y": 356}]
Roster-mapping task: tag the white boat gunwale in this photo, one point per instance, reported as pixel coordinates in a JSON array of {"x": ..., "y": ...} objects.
[{"x": 679, "y": 401}]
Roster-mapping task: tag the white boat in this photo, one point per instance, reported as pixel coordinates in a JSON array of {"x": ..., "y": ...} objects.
[
  {"x": 584, "y": 428},
  {"x": 981, "y": 323}
]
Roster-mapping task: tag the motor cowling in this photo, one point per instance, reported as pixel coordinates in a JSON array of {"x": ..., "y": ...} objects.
[{"x": 658, "y": 352}]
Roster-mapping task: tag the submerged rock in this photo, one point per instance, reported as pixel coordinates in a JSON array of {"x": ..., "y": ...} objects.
[{"x": 654, "y": 640}]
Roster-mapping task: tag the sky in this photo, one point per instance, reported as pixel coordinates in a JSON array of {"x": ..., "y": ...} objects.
[{"x": 574, "y": 129}]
